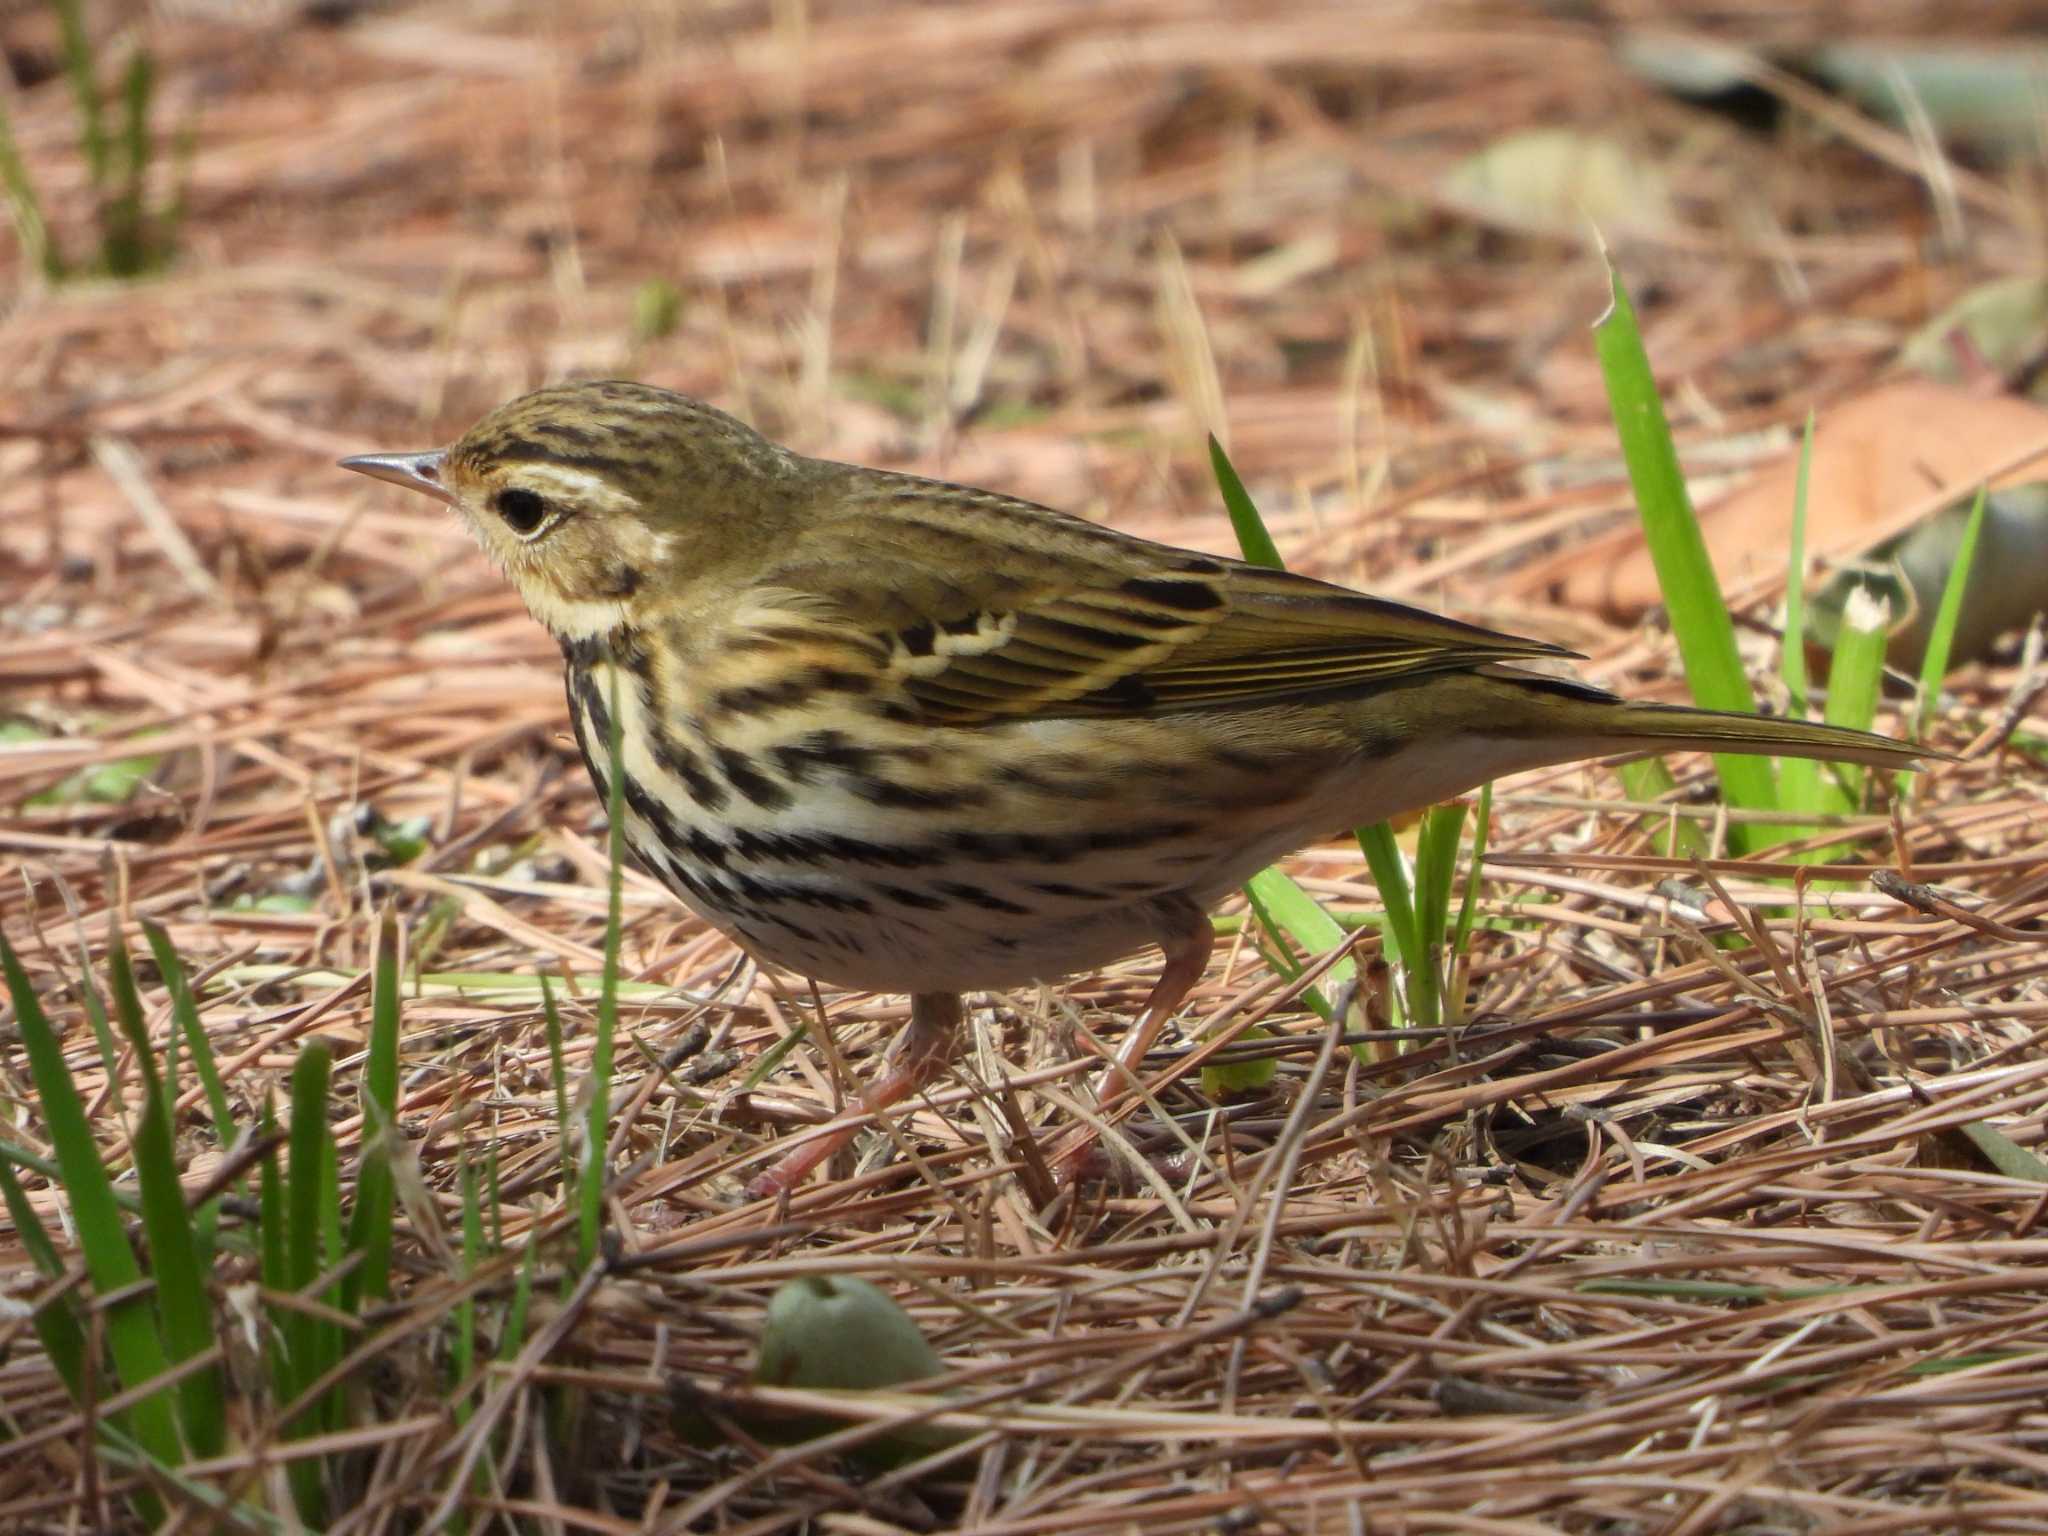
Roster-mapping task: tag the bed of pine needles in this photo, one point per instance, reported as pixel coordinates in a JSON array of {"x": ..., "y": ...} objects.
[{"x": 1669, "y": 1234}]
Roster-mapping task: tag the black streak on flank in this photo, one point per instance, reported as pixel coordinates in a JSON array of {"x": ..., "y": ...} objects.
[
  {"x": 783, "y": 892},
  {"x": 839, "y": 680},
  {"x": 975, "y": 896},
  {"x": 703, "y": 846},
  {"x": 696, "y": 887},
  {"x": 653, "y": 812},
  {"x": 760, "y": 698},
  {"x": 764, "y": 698},
  {"x": 678, "y": 761},
  {"x": 1066, "y": 892},
  {"x": 913, "y": 797},
  {"x": 594, "y": 706},
  {"x": 633, "y": 653},
  {"x": 750, "y": 781},
  {"x": 919, "y": 639},
  {"x": 817, "y": 848},
  {"x": 583, "y": 652},
  {"x": 822, "y": 749},
  {"x": 998, "y": 846},
  {"x": 1075, "y": 785},
  {"x": 1042, "y": 848},
  {"x": 1142, "y": 835},
  {"x": 1182, "y": 596},
  {"x": 575, "y": 679},
  {"x": 904, "y": 896}
]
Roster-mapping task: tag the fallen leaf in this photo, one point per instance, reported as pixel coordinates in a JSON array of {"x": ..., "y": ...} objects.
[
  {"x": 1878, "y": 460},
  {"x": 1557, "y": 181}
]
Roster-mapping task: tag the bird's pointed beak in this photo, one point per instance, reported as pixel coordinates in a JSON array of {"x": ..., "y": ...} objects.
[{"x": 414, "y": 471}]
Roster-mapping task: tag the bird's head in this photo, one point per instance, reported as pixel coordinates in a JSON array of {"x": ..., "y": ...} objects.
[{"x": 596, "y": 499}]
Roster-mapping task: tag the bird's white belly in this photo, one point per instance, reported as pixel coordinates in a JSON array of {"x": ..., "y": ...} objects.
[
  {"x": 1014, "y": 887},
  {"x": 1007, "y": 918}
]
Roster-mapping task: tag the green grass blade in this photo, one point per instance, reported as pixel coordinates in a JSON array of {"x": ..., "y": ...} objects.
[
  {"x": 272, "y": 1222},
  {"x": 770, "y": 1059},
  {"x": 597, "y": 1128},
  {"x": 35, "y": 1237},
  {"x": 1792, "y": 663},
  {"x": 1382, "y": 854},
  {"x": 1468, "y": 904},
  {"x": 2005, "y": 1154},
  {"x": 1252, "y": 537},
  {"x": 1692, "y": 594},
  {"x": 462, "y": 1348},
  {"x": 273, "y": 1238},
  {"x": 180, "y": 1252},
  {"x": 307, "y": 1151},
  {"x": 1941, "y": 638},
  {"x": 185, "y": 1014},
  {"x": 1289, "y": 912},
  {"x": 494, "y": 1200},
  {"x": 1802, "y": 784},
  {"x": 56, "y": 1323},
  {"x": 131, "y": 1325},
  {"x": 328, "y": 1414},
  {"x": 128, "y": 1009},
  {"x": 1855, "y": 673},
  {"x": 222, "y": 1513},
  {"x": 1436, "y": 867},
  {"x": 124, "y": 240},
  {"x": 102, "y": 1030},
  {"x": 1390, "y": 877},
  {"x": 180, "y": 1274},
  {"x": 121, "y": 984},
  {"x": 558, "y": 1062},
  {"x": 513, "y": 1339},
  {"x": 1273, "y": 946},
  {"x": 376, "y": 1187},
  {"x": 1436, "y": 864},
  {"x": 25, "y": 208},
  {"x": 172, "y": 220},
  {"x": 1647, "y": 781},
  {"x": 308, "y": 1130},
  {"x": 1458, "y": 970},
  {"x": 81, "y": 70}
]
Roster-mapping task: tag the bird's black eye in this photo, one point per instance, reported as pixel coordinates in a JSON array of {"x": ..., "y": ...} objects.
[{"x": 523, "y": 510}]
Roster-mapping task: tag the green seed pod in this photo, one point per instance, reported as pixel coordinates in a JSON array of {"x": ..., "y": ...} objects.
[{"x": 842, "y": 1333}]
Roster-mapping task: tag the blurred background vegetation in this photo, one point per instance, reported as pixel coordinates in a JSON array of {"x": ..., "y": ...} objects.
[{"x": 1653, "y": 1118}]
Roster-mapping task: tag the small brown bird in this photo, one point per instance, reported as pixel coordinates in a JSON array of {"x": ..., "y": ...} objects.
[{"x": 913, "y": 737}]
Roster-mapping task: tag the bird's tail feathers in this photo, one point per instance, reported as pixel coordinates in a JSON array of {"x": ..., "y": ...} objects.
[{"x": 1608, "y": 725}]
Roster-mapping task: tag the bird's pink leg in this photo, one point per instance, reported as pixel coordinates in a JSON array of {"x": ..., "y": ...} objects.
[
  {"x": 919, "y": 1054},
  {"x": 1187, "y": 956}
]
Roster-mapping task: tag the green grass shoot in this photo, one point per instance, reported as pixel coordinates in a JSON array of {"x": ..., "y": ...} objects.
[
  {"x": 135, "y": 236},
  {"x": 1941, "y": 638},
  {"x": 1685, "y": 574},
  {"x": 597, "y": 1123},
  {"x": 1417, "y": 907}
]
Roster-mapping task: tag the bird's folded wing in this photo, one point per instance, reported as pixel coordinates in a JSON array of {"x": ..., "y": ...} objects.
[{"x": 995, "y": 610}]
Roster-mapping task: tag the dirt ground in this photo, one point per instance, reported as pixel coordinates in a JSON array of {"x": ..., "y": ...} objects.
[{"x": 1677, "y": 1233}]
